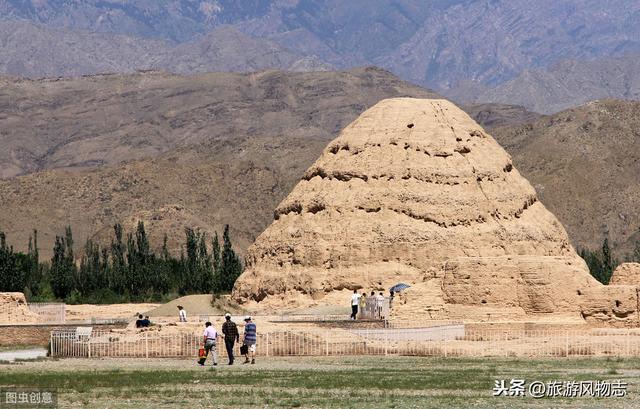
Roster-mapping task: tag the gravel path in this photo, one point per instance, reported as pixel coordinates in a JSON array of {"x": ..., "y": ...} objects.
[{"x": 33, "y": 353}]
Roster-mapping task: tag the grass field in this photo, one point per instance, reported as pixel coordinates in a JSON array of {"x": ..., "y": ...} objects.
[{"x": 349, "y": 382}]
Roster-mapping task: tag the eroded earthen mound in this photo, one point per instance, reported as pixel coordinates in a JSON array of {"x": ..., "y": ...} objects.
[
  {"x": 626, "y": 274},
  {"x": 415, "y": 191},
  {"x": 14, "y": 309}
]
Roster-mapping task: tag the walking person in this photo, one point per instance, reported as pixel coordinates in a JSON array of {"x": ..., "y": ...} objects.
[
  {"x": 379, "y": 303},
  {"x": 210, "y": 342},
  {"x": 250, "y": 339},
  {"x": 355, "y": 302},
  {"x": 231, "y": 335},
  {"x": 363, "y": 304},
  {"x": 182, "y": 314},
  {"x": 373, "y": 305}
]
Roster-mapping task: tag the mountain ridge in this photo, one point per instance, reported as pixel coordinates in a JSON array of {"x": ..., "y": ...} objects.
[
  {"x": 564, "y": 85},
  {"x": 434, "y": 43},
  {"x": 36, "y": 51}
]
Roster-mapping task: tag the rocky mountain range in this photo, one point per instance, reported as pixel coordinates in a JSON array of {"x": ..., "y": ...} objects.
[
  {"x": 37, "y": 51},
  {"x": 171, "y": 20},
  {"x": 564, "y": 85},
  {"x": 219, "y": 148},
  {"x": 584, "y": 163},
  {"x": 201, "y": 151},
  {"x": 441, "y": 44}
]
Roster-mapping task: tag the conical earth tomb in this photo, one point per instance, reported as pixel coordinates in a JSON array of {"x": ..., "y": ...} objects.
[{"x": 415, "y": 191}]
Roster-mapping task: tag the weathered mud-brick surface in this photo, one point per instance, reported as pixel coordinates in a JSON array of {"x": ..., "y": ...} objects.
[
  {"x": 14, "y": 309},
  {"x": 415, "y": 191},
  {"x": 626, "y": 274},
  {"x": 611, "y": 305}
]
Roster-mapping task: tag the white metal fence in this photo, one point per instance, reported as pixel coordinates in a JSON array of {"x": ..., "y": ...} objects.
[
  {"x": 443, "y": 341},
  {"x": 374, "y": 308},
  {"x": 310, "y": 317},
  {"x": 49, "y": 312}
]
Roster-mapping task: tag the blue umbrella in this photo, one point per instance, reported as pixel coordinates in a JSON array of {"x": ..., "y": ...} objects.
[{"x": 399, "y": 287}]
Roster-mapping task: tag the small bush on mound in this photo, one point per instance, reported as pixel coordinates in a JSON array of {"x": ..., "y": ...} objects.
[{"x": 225, "y": 303}]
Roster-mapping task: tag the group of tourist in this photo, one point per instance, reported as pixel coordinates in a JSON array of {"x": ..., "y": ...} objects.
[
  {"x": 231, "y": 337},
  {"x": 368, "y": 307},
  {"x": 143, "y": 322}
]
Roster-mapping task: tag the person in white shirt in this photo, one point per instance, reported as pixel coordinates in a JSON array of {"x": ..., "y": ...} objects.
[
  {"x": 380, "y": 303},
  {"x": 182, "y": 314},
  {"x": 355, "y": 301},
  {"x": 210, "y": 341}
]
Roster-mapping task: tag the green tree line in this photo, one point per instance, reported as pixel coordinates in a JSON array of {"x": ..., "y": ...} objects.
[
  {"x": 602, "y": 263},
  {"x": 126, "y": 270}
]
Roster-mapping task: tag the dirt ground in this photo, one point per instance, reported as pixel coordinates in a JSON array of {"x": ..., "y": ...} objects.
[
  {"x": 106, "y": 311},
  {"x": 195, "y": 305}
]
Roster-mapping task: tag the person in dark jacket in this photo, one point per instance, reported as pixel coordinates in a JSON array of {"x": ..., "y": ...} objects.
[
  {"x": 250, "y": 338},
  {"x": 231, "y": 335}
]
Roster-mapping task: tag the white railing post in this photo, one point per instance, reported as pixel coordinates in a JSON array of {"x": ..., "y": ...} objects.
[
  {"x": 484, "y": 342},
  {"x": 326, "y": 346},
  {"x": 386, "y": 342},
  {"x": 628, "y": 342},
  {"x": 444, "y": 342},
  {"x": 504, "y": 344}
]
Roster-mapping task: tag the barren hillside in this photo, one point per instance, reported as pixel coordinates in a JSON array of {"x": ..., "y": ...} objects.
[
  {"x": 207, "y": 150},
  {"x": 563, "y": 85},
  {"x": 219, "y": 148},
  {"x": 584, "y": 163},
  {"x": 108, "y": 119},
  {"x": 35, "y": 51}
]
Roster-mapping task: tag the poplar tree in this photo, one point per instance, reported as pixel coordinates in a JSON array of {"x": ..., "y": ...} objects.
[
  {"x": 118, "y": 264},
  {"x": 607, "y": 262},
  {"x": 218, "y": 283},
  {"x": 62, "y": 266},
  {"x": 12, "y": 279},
  {"x": 231, "y": 265}
]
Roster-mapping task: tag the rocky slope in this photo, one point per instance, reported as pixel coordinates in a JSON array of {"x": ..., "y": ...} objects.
[
  {"x": 36, "y": 51},
  {"x": 415, "y": 191},
  {"x": 433, "y": 42},
  {"x": 584, "y": 163},
  {"x": 491, "y": 115},
  {"x": 173, "y": 20},
  {"x": 564, "y": 85},
  {"x": 109, "y": 119}
]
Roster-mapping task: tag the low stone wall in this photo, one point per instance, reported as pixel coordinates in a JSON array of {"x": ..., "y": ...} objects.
[{"x": 38, "y": 334}]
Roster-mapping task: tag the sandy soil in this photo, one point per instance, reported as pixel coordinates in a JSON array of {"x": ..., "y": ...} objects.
[
  {"x": 197, "y": 305},
  {"x": 106, "y": 311}
]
